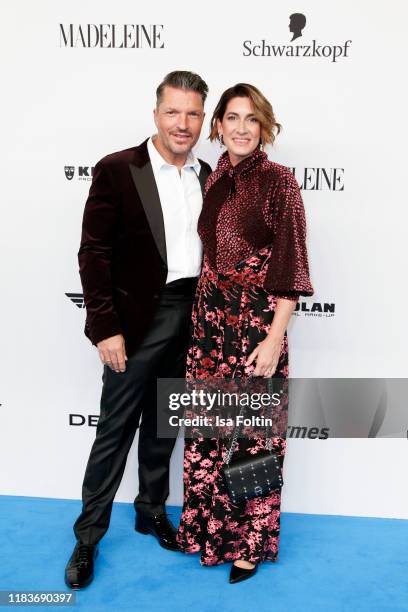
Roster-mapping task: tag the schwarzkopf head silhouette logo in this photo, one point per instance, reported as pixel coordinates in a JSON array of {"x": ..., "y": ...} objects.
[
  {"x": 310, "y": 48},
  {"x": 69, "y": 172},
  {"x": 296, "y": 24}
]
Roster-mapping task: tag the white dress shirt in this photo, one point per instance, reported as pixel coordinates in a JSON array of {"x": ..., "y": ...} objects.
[{"x": 181, "y": 201}]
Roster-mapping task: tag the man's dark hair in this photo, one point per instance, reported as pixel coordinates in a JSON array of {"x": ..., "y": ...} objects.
[{"x": 182, "y": 79}]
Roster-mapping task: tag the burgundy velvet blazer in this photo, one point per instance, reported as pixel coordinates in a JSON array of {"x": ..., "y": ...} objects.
[{"x": 122, "y": 257}]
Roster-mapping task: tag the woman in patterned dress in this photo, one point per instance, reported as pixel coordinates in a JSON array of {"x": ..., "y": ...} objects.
[{"x": 255, "y": 267}]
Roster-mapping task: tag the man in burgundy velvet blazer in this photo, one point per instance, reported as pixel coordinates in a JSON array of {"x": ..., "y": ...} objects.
[
  {"x": 122, "y": 258},
  {"x": 139, "y": 259}
]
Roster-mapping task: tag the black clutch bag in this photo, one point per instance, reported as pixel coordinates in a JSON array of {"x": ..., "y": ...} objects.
[{"x": 253, "y": 476}]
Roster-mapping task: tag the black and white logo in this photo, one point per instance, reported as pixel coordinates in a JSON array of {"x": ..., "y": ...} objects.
[
  {"x": 84, "y": 173},
  {"x": 297, "y": 22},
  {"x": 319, "y": 179},
  {"x": 69, "y": 172},
  {"x": 111, "y": 35},
  {"x": 78, "y": 420},
  {"x": 77, "y": 299},
  {"x": 267, "y": 47},
  {"x": 315, "y": 309}
]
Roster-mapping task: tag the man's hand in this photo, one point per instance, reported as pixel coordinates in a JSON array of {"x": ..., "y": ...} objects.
[{"x": 112, "y": 352}]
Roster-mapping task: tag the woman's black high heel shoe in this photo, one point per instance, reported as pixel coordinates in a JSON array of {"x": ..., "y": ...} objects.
[{"x": 238, "y": 574}]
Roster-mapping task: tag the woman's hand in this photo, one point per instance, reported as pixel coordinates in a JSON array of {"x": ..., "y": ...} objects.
[
  {"x": 267, "y": 356},
  {"x": 268, "y": 351}
]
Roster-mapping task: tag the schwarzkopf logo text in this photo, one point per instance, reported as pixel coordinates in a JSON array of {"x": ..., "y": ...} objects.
[
  {"x": 111, "y": 36},
  {"x": 297, "y": 22}
]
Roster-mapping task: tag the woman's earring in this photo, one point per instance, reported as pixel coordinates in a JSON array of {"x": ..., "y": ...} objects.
[
  {"x": 221, "y": 140},
  {"x": 260, "y": 145}
]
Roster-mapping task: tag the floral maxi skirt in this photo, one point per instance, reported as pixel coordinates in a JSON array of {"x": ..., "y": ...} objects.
[{"x": 231, "y": 315}]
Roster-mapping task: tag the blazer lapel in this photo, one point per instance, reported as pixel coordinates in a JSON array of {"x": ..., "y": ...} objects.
[
  {"x": 202, "y": 177},
  {"x": 143, "y": 178},
  {"x": 145, "y": 183}
]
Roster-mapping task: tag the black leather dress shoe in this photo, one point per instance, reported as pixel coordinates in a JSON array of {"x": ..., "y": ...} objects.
[
  {"x": 238, "y": 574},
  {"x": 160, "y": 527},
  {"x": 80, "y": 569}
]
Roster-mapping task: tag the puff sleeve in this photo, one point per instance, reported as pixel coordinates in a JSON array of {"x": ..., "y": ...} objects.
[{"x": 287, "y": 274}]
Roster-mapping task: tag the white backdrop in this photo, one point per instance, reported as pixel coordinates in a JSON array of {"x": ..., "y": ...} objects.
[{"x": 69, "y": 106}]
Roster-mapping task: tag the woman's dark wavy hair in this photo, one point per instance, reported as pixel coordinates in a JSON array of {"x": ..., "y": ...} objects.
[{"x": 263, "y": 111}]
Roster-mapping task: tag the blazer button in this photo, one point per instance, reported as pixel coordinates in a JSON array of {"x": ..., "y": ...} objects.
[{"x": 156, "y": 296}]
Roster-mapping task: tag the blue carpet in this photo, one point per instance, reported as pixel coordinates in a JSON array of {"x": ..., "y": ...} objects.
[{"x": 329, "y": 563}]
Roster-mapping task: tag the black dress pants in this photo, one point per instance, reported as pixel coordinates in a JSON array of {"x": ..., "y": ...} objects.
[{"x": 129, "y": 398}]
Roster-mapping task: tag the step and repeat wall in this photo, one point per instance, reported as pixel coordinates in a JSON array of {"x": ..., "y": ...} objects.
[{"x": 79, "y": 82}]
